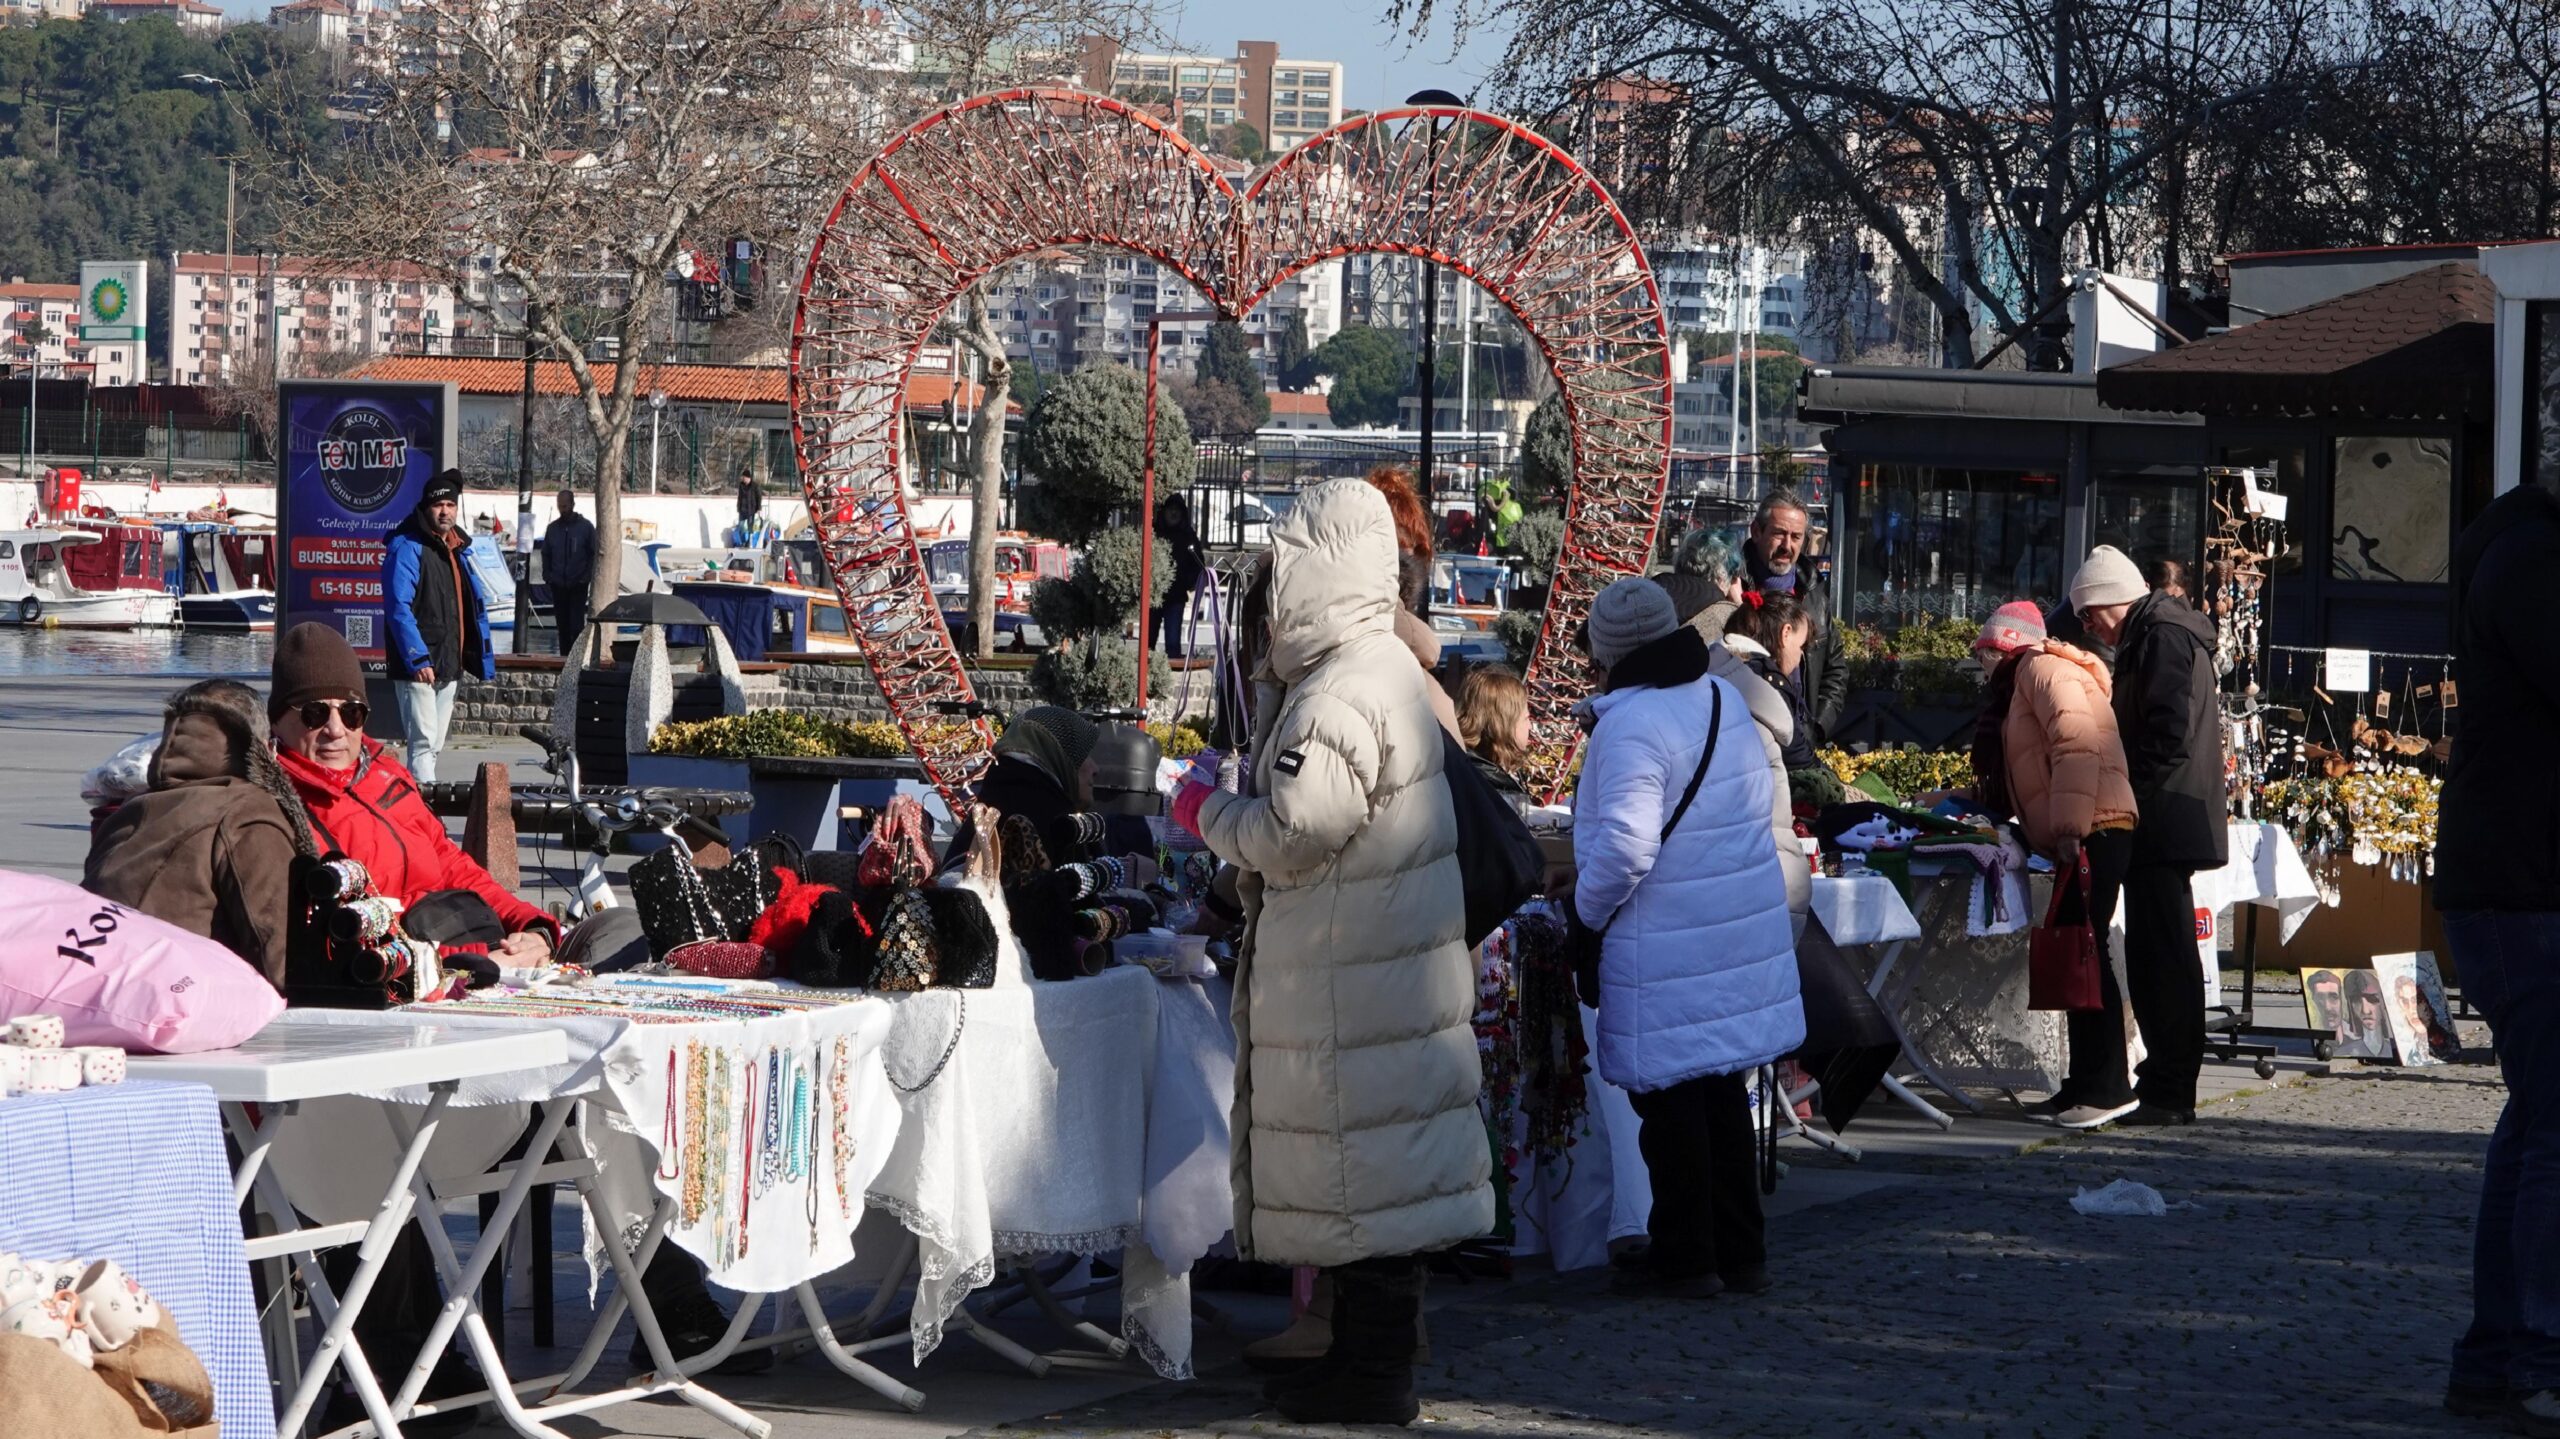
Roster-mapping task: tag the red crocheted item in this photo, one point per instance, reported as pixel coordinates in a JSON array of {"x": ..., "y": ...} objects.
[{"x": 779, "y": 928}]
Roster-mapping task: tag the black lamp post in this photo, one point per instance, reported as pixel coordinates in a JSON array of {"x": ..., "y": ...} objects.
[{"x": 1426, "y": 368}]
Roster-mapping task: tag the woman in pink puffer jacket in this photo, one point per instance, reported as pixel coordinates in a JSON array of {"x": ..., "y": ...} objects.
[{"x": 2047, "y": 752}]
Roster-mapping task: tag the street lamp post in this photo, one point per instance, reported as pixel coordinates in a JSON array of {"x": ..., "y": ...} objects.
[
  {"x": 657, "y": 409},
  {"x": 524, "y": 487},
  {"x": 1147, "y": 491},
  {"x": 1427, "y": 368}
]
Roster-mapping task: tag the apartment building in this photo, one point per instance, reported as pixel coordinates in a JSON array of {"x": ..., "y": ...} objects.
[
  {"x": 52, "y": 312},
  {"x": 1286, "y": 101},
  {"x": 1702, "y": 280},
  {"x": 228, "y": 313},
  {"x": 1063, "y": 309},
  {"x": 34, "y": 12},
  {"x": 192, "y": 15}
]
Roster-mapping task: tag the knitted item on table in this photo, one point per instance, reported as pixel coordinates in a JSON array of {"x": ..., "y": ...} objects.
[{"x": 783, "y": 922}]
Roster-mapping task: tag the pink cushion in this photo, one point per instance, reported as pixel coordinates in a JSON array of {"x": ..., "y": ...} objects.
[{"x": 118, "y": 976}]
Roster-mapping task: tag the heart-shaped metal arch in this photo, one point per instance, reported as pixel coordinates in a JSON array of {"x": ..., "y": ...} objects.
[{"x": 1003, "y": 175}]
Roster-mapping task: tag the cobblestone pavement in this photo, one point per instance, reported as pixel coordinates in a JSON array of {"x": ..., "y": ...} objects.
[{"x": 2313, "y": 1289}]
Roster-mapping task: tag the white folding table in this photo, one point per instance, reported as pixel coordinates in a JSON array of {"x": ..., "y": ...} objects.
[
  {"x": 1866, "y": 912},
  {"x": 276, "y": 1071},
  {"x": 302, "y": 1057}
]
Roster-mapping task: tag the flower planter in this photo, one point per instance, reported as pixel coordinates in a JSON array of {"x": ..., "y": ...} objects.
[{"x": 686, "y": 772}]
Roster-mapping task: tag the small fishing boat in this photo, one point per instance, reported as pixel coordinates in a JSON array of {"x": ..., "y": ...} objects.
[{"x": 36, "y": 588}]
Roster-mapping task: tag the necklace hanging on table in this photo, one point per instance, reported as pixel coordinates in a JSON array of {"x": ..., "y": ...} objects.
[
  {"x": 746, "y": 1161},
  {"x": 798, "y": 1157},
  {"x": 812, "y": 1086},
  {"x": 770, "y": 1138},
  {"x": 697, "y": 1131},
  {"x": 842, "y": 1148},
  {"x": 715, "y": 1176},
  {"x": 668, "y": 1151}
]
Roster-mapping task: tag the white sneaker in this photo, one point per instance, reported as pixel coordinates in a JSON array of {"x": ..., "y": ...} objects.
[{"x": 2093, "y": 1116}]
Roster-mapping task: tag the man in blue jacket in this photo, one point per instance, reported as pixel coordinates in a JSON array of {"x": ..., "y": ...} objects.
[
  {"x": 568, "y": 565},
  {"x": 438, "y": 619}
]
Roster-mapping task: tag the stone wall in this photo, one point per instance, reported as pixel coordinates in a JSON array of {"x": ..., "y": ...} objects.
[{"x": 830, "y": 691}]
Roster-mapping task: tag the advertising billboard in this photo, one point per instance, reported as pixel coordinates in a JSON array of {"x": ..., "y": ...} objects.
[
  {"x": 354, "y": 455},
  {"x": 115, "y": 300}
]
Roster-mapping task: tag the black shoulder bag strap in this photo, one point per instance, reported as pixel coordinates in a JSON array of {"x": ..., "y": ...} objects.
[{"x": 1715, "y": 725}]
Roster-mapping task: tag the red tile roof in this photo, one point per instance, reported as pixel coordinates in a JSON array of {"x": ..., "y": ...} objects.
[
  {"x": 1285, "y": 403},
  {"x": 684, "y": 384},
  {"x": 2418, "y": 347},
  {"x": 21, "y": 290}
]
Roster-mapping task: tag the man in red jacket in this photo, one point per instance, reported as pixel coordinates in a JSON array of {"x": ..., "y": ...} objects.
[{"x": 364, "y": 803}]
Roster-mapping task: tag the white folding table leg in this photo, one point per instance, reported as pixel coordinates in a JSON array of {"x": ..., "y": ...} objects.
[
  {"x": 1877, "y": 987},
  {"x": 462, "y": 1285},
  {"x": 1047, "y": 1303},
  {"x": 844, "y": 1358},
  {"x": 335, "y": 1344},
  {"x": 463, "y": 1306},
  {"x": 1796, "y": 1128},
  {"x": 964, "y": 1322}
]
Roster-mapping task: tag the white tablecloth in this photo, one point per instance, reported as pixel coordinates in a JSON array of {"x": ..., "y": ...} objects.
[
  {"x": 2265, "y": 869},
  {"x": 1862, "y": 909},
  {"x": 335, "y": 1165},
  {"x": 1076, "y": 1118}
]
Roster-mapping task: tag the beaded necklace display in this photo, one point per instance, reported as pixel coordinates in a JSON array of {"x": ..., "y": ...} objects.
[
  {"x": 697, "y": 1130},
  {"x": 746, "y": 1166},
  {"x": 769, "y": 1139},
  {"x": 838, "y": 1104},
  {"x": 714, "y": 1181}
]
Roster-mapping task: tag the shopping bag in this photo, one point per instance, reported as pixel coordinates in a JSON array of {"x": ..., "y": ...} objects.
[{"x": 2063, "y": 959}]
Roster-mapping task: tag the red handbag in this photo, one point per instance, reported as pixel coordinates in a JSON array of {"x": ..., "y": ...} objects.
[{"x": 2063, "y": 960}]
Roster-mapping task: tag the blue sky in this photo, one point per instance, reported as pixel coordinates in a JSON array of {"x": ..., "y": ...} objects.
[{"x": 1380, "y": 65}]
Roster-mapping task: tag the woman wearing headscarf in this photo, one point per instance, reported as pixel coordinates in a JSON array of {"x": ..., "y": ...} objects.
[
  {"x": 1697, "y": 984},
  {"x": 211, "y": 847},
  {"x": 1056, "y": 865},
  {"x": 1357, "y": 1144}
]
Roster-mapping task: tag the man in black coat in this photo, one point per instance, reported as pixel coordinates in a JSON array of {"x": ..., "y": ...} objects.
[
  {"x": 2497, "y": 879},
  {"x": 1774, "y": 555},
  {"x": 569, "y": 566},
  {"x": 2169, "y": 712}
]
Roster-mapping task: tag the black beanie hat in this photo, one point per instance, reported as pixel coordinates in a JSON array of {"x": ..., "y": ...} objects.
[
  {"x": 313, "y": 662},
  {"x": 446, "y": 485}
]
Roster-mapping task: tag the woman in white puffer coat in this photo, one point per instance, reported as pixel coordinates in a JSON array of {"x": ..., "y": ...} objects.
[
  {"x": 1697, "y": 974},
  {"x": 1358, "y": 1146}
]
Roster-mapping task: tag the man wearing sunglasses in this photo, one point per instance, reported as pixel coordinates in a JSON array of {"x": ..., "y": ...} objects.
[
  {"x": 436, "y": 616},
  {"x": 363, "y": 803}
]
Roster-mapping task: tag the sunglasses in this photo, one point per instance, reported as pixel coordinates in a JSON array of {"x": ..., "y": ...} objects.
[{"x": 315, "y": 713}]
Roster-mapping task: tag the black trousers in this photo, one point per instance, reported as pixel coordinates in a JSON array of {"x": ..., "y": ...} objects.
[
  {"x": 1698, "y": 1144},
  {"x": 2165, "y": 976},
  {"x": 2097, "y": 1074},
  {"x": 569, "y": 612}
]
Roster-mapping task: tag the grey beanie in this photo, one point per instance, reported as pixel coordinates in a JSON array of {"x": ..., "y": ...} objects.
[
  {"x": 1627, "y": 616},
  {"x": 2107, "y": 577}
]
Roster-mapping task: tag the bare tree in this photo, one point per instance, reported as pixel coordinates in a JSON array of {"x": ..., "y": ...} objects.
[
  {"x": 978, "y": 45},
  {"x": 553, "y": 158},
  {"x": 1986, "y": 145}
]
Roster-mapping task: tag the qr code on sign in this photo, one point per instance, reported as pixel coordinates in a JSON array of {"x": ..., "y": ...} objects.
[{"x": 360, "y": 632}]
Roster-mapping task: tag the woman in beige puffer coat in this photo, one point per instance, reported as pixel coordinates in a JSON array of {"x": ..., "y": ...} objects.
[
  {"x": 1358, "y": 1144},
  {"x": 2048, "y": 731}
]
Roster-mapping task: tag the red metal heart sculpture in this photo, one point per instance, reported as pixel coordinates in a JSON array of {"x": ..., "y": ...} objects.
[{"x": 1000, "y": 176}]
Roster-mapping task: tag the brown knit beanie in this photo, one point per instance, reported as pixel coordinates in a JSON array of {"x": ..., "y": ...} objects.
[{"x": 313, "y": 662}]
